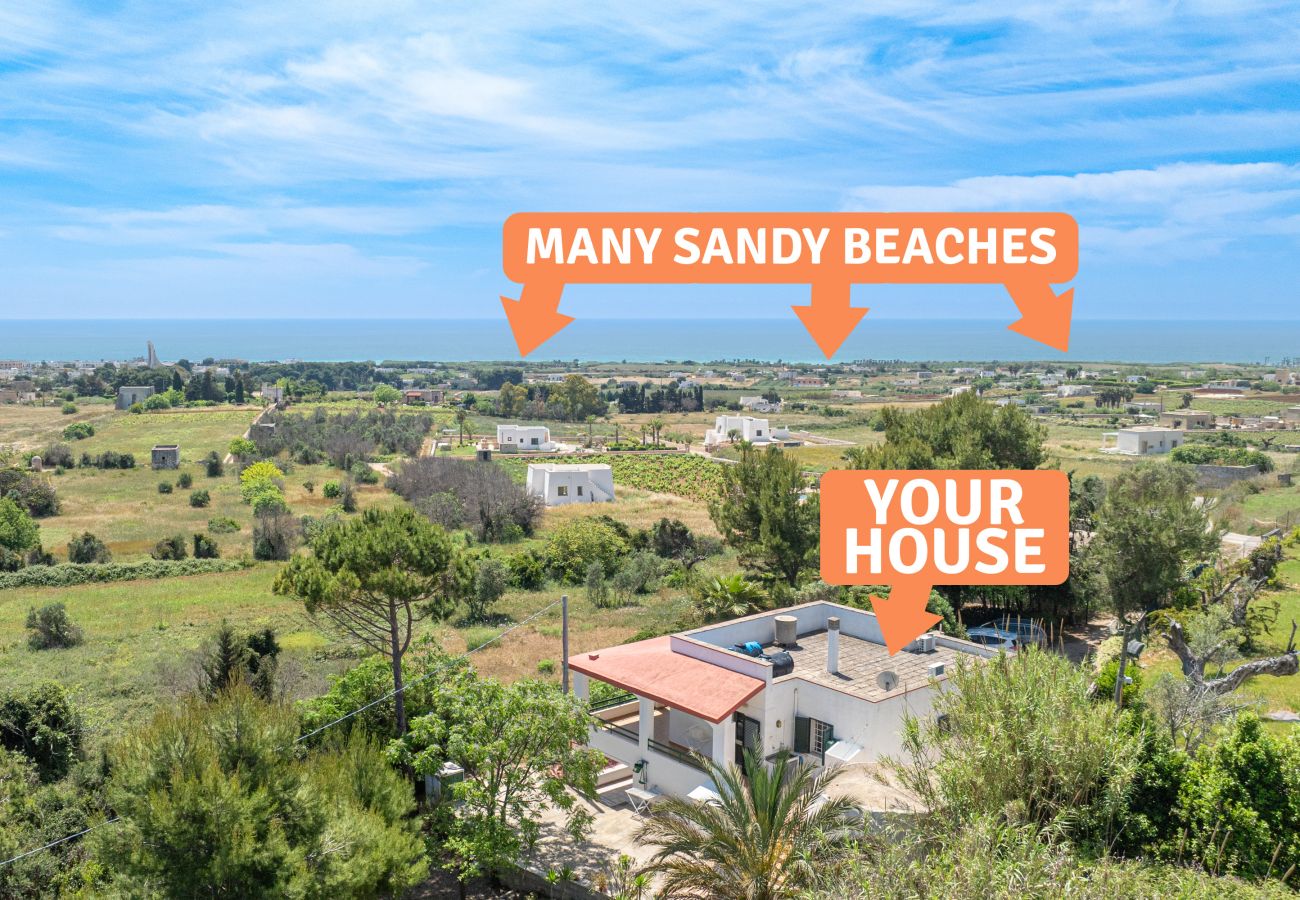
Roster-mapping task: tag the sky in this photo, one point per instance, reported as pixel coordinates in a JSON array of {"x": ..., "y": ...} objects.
[{"x": 347, "y": 159}]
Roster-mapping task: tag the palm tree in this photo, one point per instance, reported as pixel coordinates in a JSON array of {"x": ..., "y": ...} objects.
[
  {"x": 729, "y": 597},
  {"x": 656, "y": 426},
  {"x": 766, "y": 837}
]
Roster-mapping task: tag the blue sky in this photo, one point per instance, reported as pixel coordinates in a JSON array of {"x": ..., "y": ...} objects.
[{"x": 358, "y": 159}]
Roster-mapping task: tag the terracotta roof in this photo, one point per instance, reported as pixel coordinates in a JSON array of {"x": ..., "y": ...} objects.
[{"x": 651, "y": 669}]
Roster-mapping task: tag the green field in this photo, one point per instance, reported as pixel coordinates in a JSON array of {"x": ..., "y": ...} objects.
[{"x": 140, "y": 638}]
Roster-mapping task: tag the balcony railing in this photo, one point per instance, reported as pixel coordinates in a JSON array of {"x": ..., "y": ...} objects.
[
  {"x": 622, "y": 730},
  {"x": 616, "y": 700},
  {"x": 687, "y": 759}
]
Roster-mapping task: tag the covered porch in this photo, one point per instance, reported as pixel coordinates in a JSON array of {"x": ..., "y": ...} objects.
[{"x": 671, "y": 707}]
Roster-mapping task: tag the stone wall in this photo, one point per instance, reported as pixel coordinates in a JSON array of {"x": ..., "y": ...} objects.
[{"x": 1222, "y": 476}]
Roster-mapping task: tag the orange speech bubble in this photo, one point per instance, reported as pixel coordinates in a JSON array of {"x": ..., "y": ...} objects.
[
  {"x": 1026, "y": 252},
  {"x": 916, "y": 529}
]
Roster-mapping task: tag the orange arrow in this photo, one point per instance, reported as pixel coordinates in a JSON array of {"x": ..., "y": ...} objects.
[
  {"x": 535, "y": 317},
  {"x": 902, "y": 615},
  {"x": 1044, "y": 317},
  {"x": 828, "y": 317}
]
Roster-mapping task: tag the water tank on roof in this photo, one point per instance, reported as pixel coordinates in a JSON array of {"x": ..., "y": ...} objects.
[
  {"x": 787, "y": 631},
  {"x": 782, "y": 663}
]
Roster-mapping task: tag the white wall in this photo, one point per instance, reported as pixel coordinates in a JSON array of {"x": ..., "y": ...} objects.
[
  {"x": 522, "y": 436},
  {"x": 875, "y": 727},
  {"x": 690, "y": 731}
]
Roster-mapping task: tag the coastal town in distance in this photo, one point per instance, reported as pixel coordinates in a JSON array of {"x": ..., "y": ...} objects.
[{"x": 172, "y": 528}]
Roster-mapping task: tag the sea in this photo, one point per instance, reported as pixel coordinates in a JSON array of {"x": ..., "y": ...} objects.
[{"x": 643, "y": 340}]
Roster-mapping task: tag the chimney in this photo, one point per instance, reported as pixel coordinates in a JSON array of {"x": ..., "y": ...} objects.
[{"x": 833, "y": 645}]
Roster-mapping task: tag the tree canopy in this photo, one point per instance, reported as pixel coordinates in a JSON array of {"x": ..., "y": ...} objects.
[
  {"x": 763, "y": 513},
  {"x": 962, "y": 432},
  {"x": 373, "y": 577}
]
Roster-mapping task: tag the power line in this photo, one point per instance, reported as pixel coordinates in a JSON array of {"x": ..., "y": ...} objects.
[
  {"x": 343, "y": 718},
  {"x": 391, "y": 694}
]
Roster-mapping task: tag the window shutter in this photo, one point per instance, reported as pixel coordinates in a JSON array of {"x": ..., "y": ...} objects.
[{"x": 802, "y": 730}]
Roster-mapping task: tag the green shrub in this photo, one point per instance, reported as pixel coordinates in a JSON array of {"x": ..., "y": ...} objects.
[
  {"x": 1240, "y": 802},
  {"x": 490, "y": 583},
  {"x": 200, "y": 499},
  {"x": 78, "y": 431},
  {"x": 1208, "y": 454},
  {"x": 213, "y": 465},
  {"x": 43, "y": 726},
  {"x": 164, "y": 487},
  {"x": 69, "y": 409},
  {"x": 546, "y": 667},
  {"x": 223, "y": 525},
  {"x": 527, "y": 570},
  {"x": 184, "y": 481},
  {"x": 50, "y": 628},
  {"x": 88, "y": 549},
  {"x": 72, "y": 574},
  {"x": 172, "y": 548},
  {"x": 574, "y": 546},
  {"x": 205, "y": 547},
  {"x": 1063, "y": 763},
  {"x": 478, "y": 636},
  {"x": 331, "y": 490},
  {"x": 363, "y": 474}
]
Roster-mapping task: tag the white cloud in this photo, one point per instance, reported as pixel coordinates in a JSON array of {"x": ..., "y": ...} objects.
[{"x": 1182, "y": 208}]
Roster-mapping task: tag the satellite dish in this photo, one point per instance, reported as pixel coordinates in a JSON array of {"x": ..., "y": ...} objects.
[
  {"x": 698, "y": 733},
  {"x": 887, "y": 680}
]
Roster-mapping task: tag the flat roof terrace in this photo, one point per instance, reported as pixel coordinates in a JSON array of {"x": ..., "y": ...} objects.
[{"x": 860, "y": 665}]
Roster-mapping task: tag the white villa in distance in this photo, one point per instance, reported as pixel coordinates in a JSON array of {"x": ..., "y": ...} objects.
[
  {"x": 558, "y": 484},
  {"x": 747, "y": 428},
  {"x": 514, "y": 438},
  {"x": 815, "y": 679},
  {"x": 1142, "y": 440}
]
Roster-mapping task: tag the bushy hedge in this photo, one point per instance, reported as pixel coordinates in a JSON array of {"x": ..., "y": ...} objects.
[
  {"x": 71, "y": 574},
  {"x": 1206, "y": 454}
]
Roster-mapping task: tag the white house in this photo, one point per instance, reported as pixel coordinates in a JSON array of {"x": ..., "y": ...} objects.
[
  {"x": 748, "y": 428},
  {"x": 559, "y": 484},
  {"x": 758, "y": 404},
  {"x": 822, "y": 685},
  {"x": 1142, "y": 440},
  {"x": 1074, "y": 390},
  {"x": 514, "y": 438}
]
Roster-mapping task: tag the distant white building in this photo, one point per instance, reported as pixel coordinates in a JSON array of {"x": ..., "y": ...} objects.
[
  {"x": 758, "y": 404},
  {"x": 1073, "y": 390},
  {"x": 747, "y": 428},
  {"x": 514, "y": 438},
  {"x": 558, "y": 484},
  {"x": 1142, "y": 440}
]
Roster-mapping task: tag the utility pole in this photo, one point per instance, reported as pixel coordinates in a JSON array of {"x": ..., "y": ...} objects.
[{"x": 564, "y": 640}]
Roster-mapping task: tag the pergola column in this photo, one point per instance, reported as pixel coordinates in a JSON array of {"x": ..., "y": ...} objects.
[
  {"x": 581, "y": 686},
  {"x": 646, "y": 723},
  {"x": 724, "y": 738}
]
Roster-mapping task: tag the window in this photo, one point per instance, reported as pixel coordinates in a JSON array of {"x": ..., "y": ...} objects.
[
  {"x": 812, "y": 736},
  {"x": 819, "y": 737},
  {"x": 759, "y": 433},
  {"x": 562, "y": 491},
  {"x": 534, "y": 442},
  {"x": 579, "y": 490}
]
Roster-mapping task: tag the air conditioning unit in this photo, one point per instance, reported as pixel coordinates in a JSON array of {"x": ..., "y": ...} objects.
[
  {"x": 925, "y": 644},
  {"x": 934, "y": 670}
]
